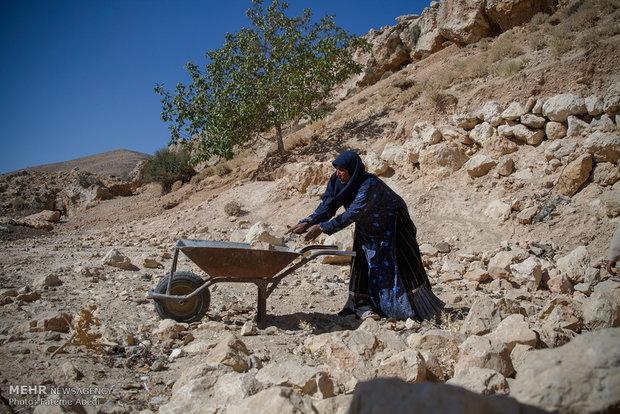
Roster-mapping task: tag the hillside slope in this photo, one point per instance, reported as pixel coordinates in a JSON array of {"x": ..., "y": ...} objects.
[
  {"x": 520, "y": 262},
  {"x": 116, "y": 163}
]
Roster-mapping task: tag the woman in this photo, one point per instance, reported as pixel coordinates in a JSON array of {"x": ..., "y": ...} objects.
[{"x": 387, "y": 275}]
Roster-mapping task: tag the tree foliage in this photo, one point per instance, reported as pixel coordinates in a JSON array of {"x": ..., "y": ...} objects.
[{"x": 277, "y": 71}]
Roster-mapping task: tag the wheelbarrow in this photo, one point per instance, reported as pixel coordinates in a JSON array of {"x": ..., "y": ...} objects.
[{"x": 184, "y": 296}]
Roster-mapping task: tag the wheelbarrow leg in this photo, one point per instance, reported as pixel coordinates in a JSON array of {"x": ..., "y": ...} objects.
[{"x": 261, "y": 310}]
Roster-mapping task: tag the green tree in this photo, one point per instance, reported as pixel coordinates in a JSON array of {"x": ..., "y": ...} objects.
[{"x": 277, "y": 71}]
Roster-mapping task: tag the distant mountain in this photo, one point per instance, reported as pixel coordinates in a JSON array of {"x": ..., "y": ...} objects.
[{"x": 116, "y": 163}]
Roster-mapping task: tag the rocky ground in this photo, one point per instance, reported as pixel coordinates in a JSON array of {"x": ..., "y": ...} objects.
[{"x": 515, "y": 207}]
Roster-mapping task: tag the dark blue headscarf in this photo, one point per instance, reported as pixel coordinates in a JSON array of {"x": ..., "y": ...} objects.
[{"x": 336, "y": 194}]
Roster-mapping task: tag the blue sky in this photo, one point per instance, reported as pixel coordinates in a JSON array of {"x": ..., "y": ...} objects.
[{"x": 77, "y": 77}]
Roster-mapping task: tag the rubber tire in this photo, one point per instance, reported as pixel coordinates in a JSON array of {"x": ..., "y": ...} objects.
[{"x": 183, "y": 283}]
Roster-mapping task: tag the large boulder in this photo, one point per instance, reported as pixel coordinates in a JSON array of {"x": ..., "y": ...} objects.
[
  {"x": 422, "y": 36},
  {"x": 210, "y": 392},
  {"x": 273, "y": 400},
  {"x": 510, "y": 13},
  {"x": 575, "y": 174},
  {"x": 482, "y": 352},
  {"x": 604, "y": 146},
  {"x": 303, "y": 379},
  {"x": 463, "y": 21},
  {"x": 560, "y": 107},
  {"x": 443, "y": 344},
  {"x": 602, "y": 310},
  {"x": 479, "y": 165},
  {"x": 347, "y": 351},
  {"x": 582, "y": 376},
  {"x": 482, "y": 318},
  {"x": 230, "y": 351},
  {"x": 527, "y": 273},
  {"x": 260, "y": 235},
  {"x": 116, "y": 258},
  {"x": 480, "y": 380},
  {"x": 574, "y": 264},
  {"x": 395, "y": 396},
  {"x": 512, "y": 331},
  {"x": 408, "y": 365},
  {"x": 612, "y": 99},
  {"x": 442, "y": 159}
]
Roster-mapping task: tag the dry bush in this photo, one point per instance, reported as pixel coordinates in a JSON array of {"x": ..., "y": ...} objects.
[
  {"x": 318, "y": 127},
  {"x": 19, "y": 203},
  {"x": 474, "y": 67},
  {"x": 572, "y": 8},
  {"x": 403, "y": 83},
  {"x": 233, "y": 209},
  {"x": 537, "y": 41},
  {"x": 409, "y": 95},
  {"x": 505, "y": 47},
  {"x": 509, "y": 68},
  {"x": 561, "y": 41},
  {"x": 221, "y": 169},
  {"x": 584, "y": 18},
  {"x": 386, "y": 74},
  {"x": 82, "y": 331},
  {"x": 196, "y": 179},
  {"x": 539, "y": 18},
  {"x": 483, "y": 43},
  {"x": 439, "y": 100}
]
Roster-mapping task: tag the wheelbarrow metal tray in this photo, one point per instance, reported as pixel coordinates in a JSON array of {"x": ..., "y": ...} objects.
[{"x": 228, "y": 259}]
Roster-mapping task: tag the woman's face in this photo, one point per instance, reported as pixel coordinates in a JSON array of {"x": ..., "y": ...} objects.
[{"x": 343, "y": 175}]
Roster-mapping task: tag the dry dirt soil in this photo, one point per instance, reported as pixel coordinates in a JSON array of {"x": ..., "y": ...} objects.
[{"x": 148, "y": 224}]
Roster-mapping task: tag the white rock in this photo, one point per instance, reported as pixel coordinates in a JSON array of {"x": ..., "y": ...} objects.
[
  {"x": 514, "y": 111},
  {"x": 559, "y": 107},
  {"x": 262, "y": 233}
]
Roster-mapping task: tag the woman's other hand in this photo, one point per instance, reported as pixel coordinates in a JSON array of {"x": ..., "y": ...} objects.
[
  {"x": 313, "y": 232},
  {"x": 298, "y": 228}
]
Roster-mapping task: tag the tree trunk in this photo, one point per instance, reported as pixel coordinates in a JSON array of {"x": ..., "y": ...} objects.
[{"x": 279, "y": 138}]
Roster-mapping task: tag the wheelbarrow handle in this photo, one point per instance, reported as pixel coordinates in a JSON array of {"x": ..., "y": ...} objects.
[
  {"x": 330, "y": 253},
  {"x": 316, "y": 247}
]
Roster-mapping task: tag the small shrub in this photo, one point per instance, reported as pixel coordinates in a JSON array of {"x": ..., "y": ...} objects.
[
  {"x": 474, "y": 68},
  {"x": 559, "y": 45},
  {"x": 538, "y": 19},
  {"x": 484, "y": 43},
  {"x": 537, "y": 41},
  {"x": 222, "y": 169},
  {"x": 18, "y": 203},
  {"x": 414, "y": 34},
  {"x": 400, "y": 48},
  {"x": 409, "y": 95},
  {"x": 369, "y": 70},
  {"x": 509, "y": 68},
  {"x": 505, "y": 47},
  {"x": 403, "y": 83},
  {"x": 233, "y": 209},
  {"x": 442, "y": 101},
  {"x": 572, "y": 9},
  {"x": 168, "y": 166},
  {"x": 585, "y": 18},
  {"x": 386, "y": 74},
  {"x": 196, "y": 179},
  {"x": 362, "y": 100}
]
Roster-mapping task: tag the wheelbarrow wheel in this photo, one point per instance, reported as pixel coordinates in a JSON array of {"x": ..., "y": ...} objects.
[{"x": 183, "y": 283}]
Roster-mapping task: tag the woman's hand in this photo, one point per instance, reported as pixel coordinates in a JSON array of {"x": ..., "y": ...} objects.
[
  {"x": 313, "y": 232},
  {"x": 298, "y": 228}
]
